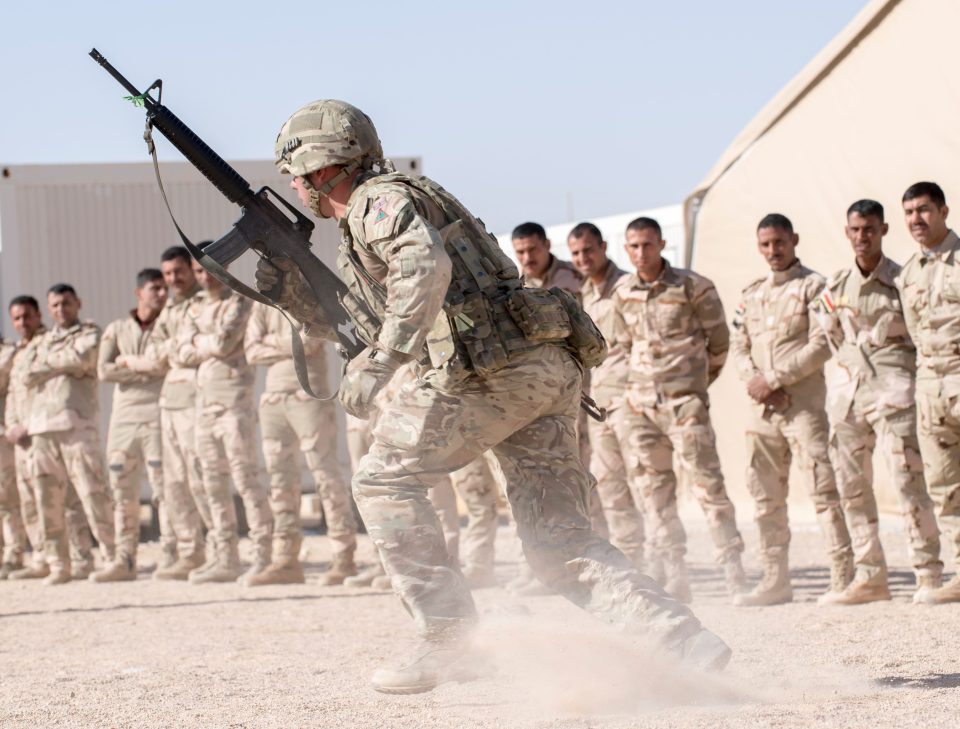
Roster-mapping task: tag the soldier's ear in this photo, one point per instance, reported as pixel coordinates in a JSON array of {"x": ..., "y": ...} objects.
[
  {"x": 546, "y": 243},
  {"x": 946, "y": 211},
  {"x": 884, "y": 228},
  {"x": 796, "y": 239}
]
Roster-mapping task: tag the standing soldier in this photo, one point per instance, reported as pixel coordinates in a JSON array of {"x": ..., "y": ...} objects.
[
  {"x": 510, "y": 384},
  {"x": 61, "y": 366},
  {"x": 608, "y": 383},
  {"x": 291, "y": 421},
  {"x": 27, "y": 322},
  {"x": 477, "y": 484},
  {"x": 780, "y": 352},
  {"x": 930, "y": 290},
  {"x": 182, "y": 483},
  {"x": 212, "y": 340},
  {"x": 870, "y": 397},
  {"x": 671, "y": 322},
  {"x": 13, "y": 538},
  {"x": 133, "y": 439}
]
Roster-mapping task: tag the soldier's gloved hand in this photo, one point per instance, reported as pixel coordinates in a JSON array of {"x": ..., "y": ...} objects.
[
  {"x": 280, "y": 279},
  {"x": 366, "y": 375}
]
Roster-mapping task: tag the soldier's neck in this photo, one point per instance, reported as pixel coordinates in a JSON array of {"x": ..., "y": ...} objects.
[
  {"x": 868, "y": 265},
  {"x": 600, "y": 276},
  {"x": 652, "y": 275}
]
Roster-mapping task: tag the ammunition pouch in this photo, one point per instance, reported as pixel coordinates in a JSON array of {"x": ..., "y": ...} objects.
[
  {"x": 539, "y": 314},
  {"x": 585, "y": 340}
]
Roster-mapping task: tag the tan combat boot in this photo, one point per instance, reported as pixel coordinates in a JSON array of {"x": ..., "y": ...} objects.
[
  {"x": 365, "y": 577},
  {"x": 59, "y": 576},
  {"x": 862, "y": 590},
  {"x": 226, "y": 568},
  {"x": 841, "y": 575},
  {"x": 8, "y": 568},
  {"x": 81, "y": 569},
  {"x": 35, "y": 571},
  {"x": 734, "y": 576},
  {"x": 261, "y": 562},
  {"x": 677, "y": 583},
  {"x": 181, "y": 569},
  {"x": 287, "y": 572},
  {"x": 926, "y": 584},
  {"x": 382, "y": 582},
  {"x": 122, "y": 569},
  {"x": 774, "y": 587},
  {"x": 950, "y": 592},
  {"x": 341, "y": 567},
  {"x": 479, "y": 578},
  {"x": 433, "y": 662}
]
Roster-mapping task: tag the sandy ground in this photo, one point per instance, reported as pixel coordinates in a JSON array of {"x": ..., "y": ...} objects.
[{"x": 153, "y": 654}]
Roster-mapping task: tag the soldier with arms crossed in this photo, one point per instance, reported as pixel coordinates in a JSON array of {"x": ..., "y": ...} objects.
[{"x": 413, "y": 255}]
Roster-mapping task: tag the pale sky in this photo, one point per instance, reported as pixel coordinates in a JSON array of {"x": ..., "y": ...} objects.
[{"x": 524, "y": 110}]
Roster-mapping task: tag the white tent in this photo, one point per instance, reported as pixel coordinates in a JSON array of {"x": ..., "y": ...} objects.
[{"x": 868, "y": 116}]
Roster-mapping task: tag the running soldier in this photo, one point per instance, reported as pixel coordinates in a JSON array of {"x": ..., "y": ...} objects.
[
  {"x": 930, "y": 291},
  {"x": 292, "y": 421},
  {"x": 486, "y": 379},
  {"x": 133, "y": 440},
  {"x": 870, "y": 397},
  {"x": 61, "y": 369},
  {"x": 671, "y": 322},
  {"x": 779, "y": 351},
  {"x": 211, "y": 339},
  {"x": 182, "y": 482}
]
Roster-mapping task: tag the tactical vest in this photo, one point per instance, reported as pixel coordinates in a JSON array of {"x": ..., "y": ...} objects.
[{"x": 487, "y": 314}]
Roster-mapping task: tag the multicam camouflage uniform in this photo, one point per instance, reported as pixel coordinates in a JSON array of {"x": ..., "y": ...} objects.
[
  {"x": 622, "y": 497},
  {"x": 775, "y": 336},
  {"x": 61, "y": 366},
  {"x": 870, "y": 397},
  {"x": 675, "y": 332},
  {"x": 525, "y": 409},
  {"x": 930, "y": 291},
  {"x": 19, "y": 405},
  {"x": 183, "y": 492},
  {"x": 13, "y": 537},
  {"x": 133, "y": 439},
  {"x": 291, "y": 421},
  {"x": 211, "y": 339}
]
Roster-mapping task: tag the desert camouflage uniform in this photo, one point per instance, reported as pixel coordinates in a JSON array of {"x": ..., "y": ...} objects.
[
  {"x": 183, "y": 492},
  {"x": 477, "y": 485},
  {"x": 133, "y": 439},
  {"x": 678, "y": 340},
  {"x": 564, "y": 275},
  {"x": 775, "y": 336},
  {"x": 930, "y": 291},
  {"x": 622, "y": 497},
  {"x": 61, "y": 369},
  {"x": 19, "y": 405},
  {"x": 291, "y": 421},
  {"x": 211, "y": 339},
  {"x": 525, "y": 409},
  {"x": 870, "y": 397},
  {"x": 13, "y": 537}
]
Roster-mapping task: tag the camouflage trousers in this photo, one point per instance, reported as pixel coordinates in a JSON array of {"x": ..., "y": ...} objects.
[
  {"x": 526, "y": 412},
  {"x": 773, "y": 440},
  {"x": 444, "y": 501},
  {"x": 130, "y": 446},
  {"x": 654, "y": 435},
  {"x": 852, "y": 442},
  {"x": 477, "y": 484},
  {"x": 183, "y": 495},
  {"x": 621, "y": 497},
  {"x": 226, "y": 447},
  {"x": 13, "y": 536},
  {"x": 61, "y": 461},
  {"x": 79, "y": 538},
  {"x": 292, "y": 422},
  {"x": 939, "y": 436}
]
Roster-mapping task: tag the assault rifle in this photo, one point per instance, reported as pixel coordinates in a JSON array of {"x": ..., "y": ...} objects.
[{"x": 268, "y": 224}]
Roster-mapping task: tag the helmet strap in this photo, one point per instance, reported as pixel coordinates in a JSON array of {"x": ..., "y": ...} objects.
[{"x": 327, "y": 187}]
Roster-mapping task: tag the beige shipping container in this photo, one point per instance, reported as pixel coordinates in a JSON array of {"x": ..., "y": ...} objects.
[{"x": 96, "y": 225}]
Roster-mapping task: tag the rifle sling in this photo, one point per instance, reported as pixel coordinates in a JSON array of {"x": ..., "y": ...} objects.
[{"x": 228, "y": 279}]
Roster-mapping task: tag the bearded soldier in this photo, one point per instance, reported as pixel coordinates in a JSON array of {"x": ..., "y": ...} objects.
[{"x": 495, "y": 369}]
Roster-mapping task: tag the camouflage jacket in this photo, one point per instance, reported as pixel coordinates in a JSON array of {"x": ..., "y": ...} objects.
[
  {"x": 61, "y": 371},
  {"x": 211, "y": 339},
  {"x": 180, "y": 383},
  {"x": 267, "y": 342},
  {"x": 775, "y": 336},
  {"x": 676, "y": 333},
  {"x": 930, "y": 291},
  {"x": 608, "y": 382},
  {"x": 863, "y": 319},
  {"x": 18, "y": 400},
  {"x": 561, "y": 274},
  {"x": 136, "y": 398},
  {"x": 7, "y": 353}
]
